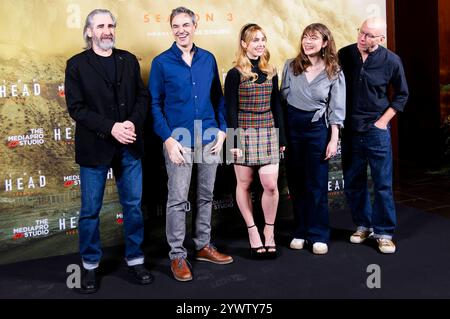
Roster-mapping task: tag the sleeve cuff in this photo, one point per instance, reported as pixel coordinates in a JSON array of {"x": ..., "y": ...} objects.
[
  {"x": 340, "y": 124},
  {"x": 223, "y": 127},
  {"x": 398, "y": 108},
  {"x": 165, "y": 136},
  {"x": 106, "y": 128}
]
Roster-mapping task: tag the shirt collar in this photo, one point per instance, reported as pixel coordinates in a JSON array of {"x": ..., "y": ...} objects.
[
  {"x": 176, "y": 50},
  {"x": 373, "y": 53},
  {"x": 377, "y": 50}
]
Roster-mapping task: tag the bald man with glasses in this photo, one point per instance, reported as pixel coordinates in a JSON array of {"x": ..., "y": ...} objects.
[{"x": 370, "y": 69}]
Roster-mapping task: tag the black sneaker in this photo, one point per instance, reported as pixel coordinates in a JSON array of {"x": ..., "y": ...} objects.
[
  {"x": 140, "y": 274},
  {"x": 89, "y": 282}
]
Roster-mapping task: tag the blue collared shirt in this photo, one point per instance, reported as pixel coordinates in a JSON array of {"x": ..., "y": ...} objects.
[{"x": 186, "y": 98}]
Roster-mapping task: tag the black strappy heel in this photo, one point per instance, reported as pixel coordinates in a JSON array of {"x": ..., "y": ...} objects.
[
  {"x": 256, "y": 252},
  {"x": 271, "y": 251}
]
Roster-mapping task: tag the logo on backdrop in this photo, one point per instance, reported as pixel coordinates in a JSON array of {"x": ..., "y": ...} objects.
[
  {"x": 61, "y": 92},
  {"x": 33, "y": 137},
  {"x": 119, "y": 218},
  {"x": 25, "y": 183},
  {"x": 70, "y": 181},
  {"x": 19, "y": 89},
  {"x": 38, "y": 229},
  {"x": 207, "y": 20},
  {"x": 204, "y": 17},
  {"x": 336, "y": 185},
  {"x": 224, "y": 203},
  {"x": 64, "y": 134},
  {"x": 69, "y": 223}
]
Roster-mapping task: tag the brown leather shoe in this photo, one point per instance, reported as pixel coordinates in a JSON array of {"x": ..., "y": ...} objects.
[
  {"x": 180, "y": 269},
  {"x": 210, "y": 253}
]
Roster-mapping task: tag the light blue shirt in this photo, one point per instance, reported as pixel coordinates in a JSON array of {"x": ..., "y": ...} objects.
[{"x": 321, "y": 95}]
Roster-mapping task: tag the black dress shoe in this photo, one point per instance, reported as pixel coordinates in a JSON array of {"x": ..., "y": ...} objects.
[
  {"x": 140, "y": 274},
  {"x": 89, "y": 283}
]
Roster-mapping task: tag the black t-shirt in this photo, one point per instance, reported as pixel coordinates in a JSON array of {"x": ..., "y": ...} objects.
[{"x": 109, "y": 66}]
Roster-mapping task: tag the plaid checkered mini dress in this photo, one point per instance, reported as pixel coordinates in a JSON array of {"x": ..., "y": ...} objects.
[{"x": 258, "y": 138}]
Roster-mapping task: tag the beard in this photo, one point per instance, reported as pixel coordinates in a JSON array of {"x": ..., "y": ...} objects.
[
  {"x": 106, "y": 43},
  {"x": 367, "y": 48}
]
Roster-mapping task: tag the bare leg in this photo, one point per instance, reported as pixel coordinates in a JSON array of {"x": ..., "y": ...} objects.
[
  {"x": 244, "y": 178},
  {"x": 269, "y": 178}
]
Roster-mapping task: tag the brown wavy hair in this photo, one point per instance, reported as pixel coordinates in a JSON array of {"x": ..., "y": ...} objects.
[
  {"x": 243, "y": 63},
  {"x": 329, "y": 55}
]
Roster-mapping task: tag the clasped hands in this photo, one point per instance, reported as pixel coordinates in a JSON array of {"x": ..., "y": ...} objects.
[{"x": 124, "y": 132}]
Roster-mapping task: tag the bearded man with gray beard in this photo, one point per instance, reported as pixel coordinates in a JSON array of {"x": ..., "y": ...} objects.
[{"x": 107, "y": 99}]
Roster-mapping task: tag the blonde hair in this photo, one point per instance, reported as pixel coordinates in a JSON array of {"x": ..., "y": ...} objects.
[{"x": 243, "y": 63}]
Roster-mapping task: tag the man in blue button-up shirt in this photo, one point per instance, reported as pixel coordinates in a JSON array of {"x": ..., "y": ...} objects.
[{"x": 189, "y": 116}]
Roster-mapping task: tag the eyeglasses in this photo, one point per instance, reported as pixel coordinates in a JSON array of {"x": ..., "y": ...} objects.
[{"x": 368, "y": 35}]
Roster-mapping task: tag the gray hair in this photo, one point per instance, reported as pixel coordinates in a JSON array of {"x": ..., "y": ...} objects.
[
  {"x": 181, "y": 10},
  {"x": 89, "y": 22}
]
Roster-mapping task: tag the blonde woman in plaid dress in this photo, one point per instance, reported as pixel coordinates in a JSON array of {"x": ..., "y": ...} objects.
[{"x": 254, "y": 115}]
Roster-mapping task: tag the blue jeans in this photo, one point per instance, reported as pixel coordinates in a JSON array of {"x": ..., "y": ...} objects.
[
  {"x": 374, "y": 148},
  {"x": 128, "y": 174},
  {"x": 308, "y": 175}
]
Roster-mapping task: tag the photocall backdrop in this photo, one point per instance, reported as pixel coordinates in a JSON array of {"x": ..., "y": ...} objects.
[{"x": 39, "y": 180}]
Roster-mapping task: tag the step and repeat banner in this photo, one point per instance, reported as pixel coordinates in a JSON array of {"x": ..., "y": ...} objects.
[{"x": 39, "y": 180}]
